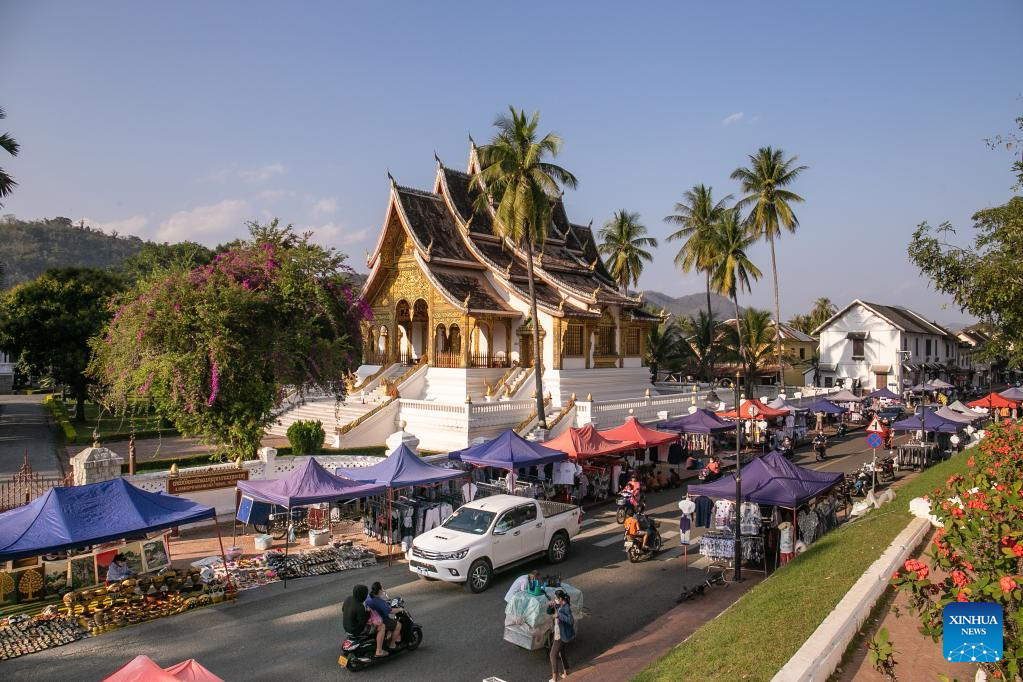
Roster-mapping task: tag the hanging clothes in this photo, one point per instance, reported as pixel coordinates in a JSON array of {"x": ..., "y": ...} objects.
[
  {"x": 704, "y": 511},
  {"x": 724, "y": 514},
  {"x": 749, "y": 518}
]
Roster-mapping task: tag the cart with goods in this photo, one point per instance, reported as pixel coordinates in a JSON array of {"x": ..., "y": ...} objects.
[{"x": 526, "y": 621}]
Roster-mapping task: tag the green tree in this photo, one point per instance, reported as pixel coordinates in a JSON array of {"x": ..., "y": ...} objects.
[
  {"x": 624, "y": 246},
  {"x": 663, "y": 349},
  {"x": 520, "y": 185},
  {"x": 730, "y": 268},
  {"x": 753, "y": 351},
  {"x": 984, "y": 278},
  {"x": 700, "y": 341},
  {"x": 48, "y": 323},
  {"x": 765, "y": 183},
  {"x": 821, "y": 312},
  {"x": 696, "y": 216},
  {"x": 9, "y": 145},
  {"x": 153, "y": 258},
  {"x": 214, "y": 348}
]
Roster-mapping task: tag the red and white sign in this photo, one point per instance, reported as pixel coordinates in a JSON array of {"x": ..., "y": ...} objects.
[{"x": 875, "y": 426}]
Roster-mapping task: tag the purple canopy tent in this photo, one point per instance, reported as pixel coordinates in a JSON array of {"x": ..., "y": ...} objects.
[
  {"x": 508, "y": 451},
  {"x": 703, "y": 421},
  {"x": 308, "y": 484},
  {"x": 883, "y": 393},
  {"x": 931, "y": 423},
  {"x": 1012, "y": 393},
  {"x": 401, "y": 469},
  {"x": 826, "y": 406}
]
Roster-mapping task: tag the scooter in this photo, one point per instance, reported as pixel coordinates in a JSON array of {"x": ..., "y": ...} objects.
[
  {"x": 627, "y": 506},
  {"x": 820, "y": 449},
  {"x": 654, "y": 543},
  {"x": 886, "y": 469},
  {"x": 359, "y": 651},
  {"x": 861, "y": 481}
]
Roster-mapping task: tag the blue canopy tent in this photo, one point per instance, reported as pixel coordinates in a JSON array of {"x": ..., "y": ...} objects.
[
  {"x": 883, "y": 393},
  {"x": 931, "y": 423},
  {"x": 826, "y": 406},
  {"x": 773, "y": 480},
  {"x": 924, "y": 388},
  {"x": 508, "y": 451},
  {"x": 78, "y": 516},
  {"x": 1012, "y": 393},
  {"x": 703, "y": 421}
]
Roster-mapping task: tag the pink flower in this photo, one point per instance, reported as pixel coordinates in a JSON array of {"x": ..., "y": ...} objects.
[
  {"x": 1007, "y": 584},
  {"x": 214, "y": 385},
  {"x": 960, "y": 579}
]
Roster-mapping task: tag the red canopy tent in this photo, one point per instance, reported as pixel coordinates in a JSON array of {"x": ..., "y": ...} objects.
[
  {"x": 634, "y": 431},
  {"x": 587, "y": 442},
  {"x": 144, "y": 669},
  {"x": 754, "y": 409},
  {"x": 994, "y": 400}
]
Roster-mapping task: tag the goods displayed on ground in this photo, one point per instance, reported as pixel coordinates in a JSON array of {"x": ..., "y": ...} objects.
[
  {"x": 275, "y": 565},
  {"x": 526, "y": 621},
  {"x": 24, "y": 634}
]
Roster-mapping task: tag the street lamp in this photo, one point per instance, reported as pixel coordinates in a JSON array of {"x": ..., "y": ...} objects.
[{"x": 738, "y": 483}]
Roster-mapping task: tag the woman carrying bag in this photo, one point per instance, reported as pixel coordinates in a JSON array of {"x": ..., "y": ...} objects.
[{"x": 564, "y": 632}]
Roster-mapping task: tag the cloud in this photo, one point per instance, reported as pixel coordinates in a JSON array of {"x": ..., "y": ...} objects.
[
  {"x": 324, "y": 207},
  {"x": 338, "y": 234},
  {"x": 206, "y": 224},
  {"x": 263, "y": 173},
  {"x": 275, "y": 194},
  {"x": 133, "y": 225},
  {"x": 732, "y": 118}
]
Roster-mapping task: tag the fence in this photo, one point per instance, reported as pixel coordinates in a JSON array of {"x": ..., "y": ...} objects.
[{"x": 26, "y": 485}]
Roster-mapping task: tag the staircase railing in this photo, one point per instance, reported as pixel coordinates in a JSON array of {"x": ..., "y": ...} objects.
[
  {"x": 526, "y": 424},
  {"x": 372, "y": 377},
  {"x": 569, "y": 406},
  {"x": 346, "y": 428}
]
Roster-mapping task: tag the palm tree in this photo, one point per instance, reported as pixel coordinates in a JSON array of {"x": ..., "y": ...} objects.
[
  {"x": 696, "y": 215},
  {"x": 662, "y": 347},
  {"x": 764, "y": 183},
  {"x": 700, "y": 337},
  {"x": 730, "y": 267},
  {"x": 802, "y": 323},
  {"x": 757, "y": 342},
  {"x": 821, "y": 312},
  {"x": 8, "y": 144},
  {"x": 515, "y": 179},
  {"x": 624, "y": 247}
]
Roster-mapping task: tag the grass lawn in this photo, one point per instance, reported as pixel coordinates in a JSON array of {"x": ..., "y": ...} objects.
[
  {"x": 110, "y": 427},
  {"x": 760, "y": 632}
]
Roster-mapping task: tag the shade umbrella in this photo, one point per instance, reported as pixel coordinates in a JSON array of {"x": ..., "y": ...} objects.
[
  {"x": 643, "y": 435},
  {"x": 508, "y": 451},
  {"x": 701, "y": 421},
  {"x": 845, "y": 396},
  {"x": 782, "y": 404},
  {"x": 930, "y": 423},
  {"x": 952, "y": 415},
  {"x": 924, "y": 388},
  {"x": 993, "y": 401},
  {"x": 753, "y": 409}
]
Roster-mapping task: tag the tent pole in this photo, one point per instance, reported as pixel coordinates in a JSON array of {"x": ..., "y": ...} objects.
[
  {"x": 388, "y": 526},
  {"x": 223, "y": 554},
  {"x": 287, "y": 544}
]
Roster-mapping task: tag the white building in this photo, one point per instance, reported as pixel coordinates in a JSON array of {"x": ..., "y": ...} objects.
[
  {"x": 870, "y": 345},
  {"x": 6, "y": 373}
]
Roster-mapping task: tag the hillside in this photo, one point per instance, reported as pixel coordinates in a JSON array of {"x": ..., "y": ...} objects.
[
  {"x": 30, "y": 247},
  {"x": 691, "y": 304}
]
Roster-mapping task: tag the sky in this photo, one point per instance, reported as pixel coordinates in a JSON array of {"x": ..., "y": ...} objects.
[{"x": 184, "y": 120}]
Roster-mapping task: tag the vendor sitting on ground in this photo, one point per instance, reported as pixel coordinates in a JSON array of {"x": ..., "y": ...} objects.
[
  {"x": 635, "y": 530},
  {"x": 652, "y": 484},
  {"x": 525, "y": 583},
  {"x": 119, "y": 569},
  {"x": 714, "y": 466},
  {"x": 377, "y": 601},
  {"x": 356, "y": 618}
]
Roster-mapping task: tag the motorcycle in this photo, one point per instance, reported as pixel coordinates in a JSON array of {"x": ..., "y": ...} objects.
[
  {"x": 886, "y": 469},
  {"x": 358, "y": 651},
  {"x": 820, "y": 449},
  {"x": 654, "y": 543},
  {"x": 861, "y": 481},
  {"x": 627, "y": 506}
]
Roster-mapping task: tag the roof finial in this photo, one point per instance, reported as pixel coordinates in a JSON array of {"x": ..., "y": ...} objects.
[
  {"x": 595, "y": 292},
  {"x": 561, "y": 306},
  {"x": 391, "y": 177},
  {"x": 437, "y": 159},
  {"x": 429, "y": 247},
  {"x": 472, "y": 141},
  {"x": 465, "y": 303},
  {"x": 590, "y": 226},
  {"x": 593, "y": 265}
]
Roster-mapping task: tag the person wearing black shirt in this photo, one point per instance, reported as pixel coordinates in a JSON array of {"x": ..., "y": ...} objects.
[{"x": 355, "y": 617}]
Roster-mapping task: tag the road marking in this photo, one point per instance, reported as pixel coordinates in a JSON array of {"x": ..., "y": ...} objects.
[
  {"x": 589, "y": 522},
  {"x": 607, "y": 542},
  {"x": 669, "y": 534}
]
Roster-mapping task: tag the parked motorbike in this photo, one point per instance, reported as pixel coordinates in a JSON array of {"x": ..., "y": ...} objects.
[
  {"x": 886, "y": 469},
  {"x": 358, "y": 650},
  {"x": 861, "y": 481},
  {"x": 654, "y": 542}
]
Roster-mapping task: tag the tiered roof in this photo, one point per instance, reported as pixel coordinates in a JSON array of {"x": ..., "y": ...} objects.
[{"x": 456, "y": 245}]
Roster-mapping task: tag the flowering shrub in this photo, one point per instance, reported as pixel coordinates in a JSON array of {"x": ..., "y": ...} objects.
[
  {"x": 213, "y": 348},
  {"x": 980, "y": 548}
]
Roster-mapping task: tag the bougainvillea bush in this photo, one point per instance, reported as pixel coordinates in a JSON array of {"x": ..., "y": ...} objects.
[
  {"x": 980, "y": 548},
  {"x": 216, "y": 348}
]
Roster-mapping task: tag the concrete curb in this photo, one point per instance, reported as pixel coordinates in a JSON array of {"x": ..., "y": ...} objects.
[{"x": 820, "y": 655}]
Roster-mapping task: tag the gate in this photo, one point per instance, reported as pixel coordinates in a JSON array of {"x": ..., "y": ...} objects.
[{"x": 26, "y": 485}]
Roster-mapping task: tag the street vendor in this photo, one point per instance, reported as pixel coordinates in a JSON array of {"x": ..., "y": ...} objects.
[
  {"x": 119, "y": 569},
  {"x": 525, "y": 583}
]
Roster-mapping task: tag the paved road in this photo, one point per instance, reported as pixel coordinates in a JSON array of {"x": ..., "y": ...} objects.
[
  {"x": 279, "y": 633},
  {"x": 24, "y": 428}
]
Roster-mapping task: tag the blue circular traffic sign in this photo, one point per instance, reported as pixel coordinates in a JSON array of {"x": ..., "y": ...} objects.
[{"x": 874, "y": 440}]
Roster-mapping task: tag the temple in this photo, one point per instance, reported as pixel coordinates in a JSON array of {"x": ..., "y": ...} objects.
[{"x": 451, "y": 322}]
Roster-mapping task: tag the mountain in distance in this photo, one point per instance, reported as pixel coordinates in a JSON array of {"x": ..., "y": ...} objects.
[{"x": 690, "y": 305}]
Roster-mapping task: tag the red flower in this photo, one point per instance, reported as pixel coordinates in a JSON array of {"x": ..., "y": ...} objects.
[
  {"x": 960, "y": 579},
  {"x": 923, "y": 573},
  {"x": 896, "y": 576},
  {"x": 1007, "y": 584},
  {"x": 957, "y": 512},
  {"x": 962, "y": 597},
  {"x": 1006, "y": 541},
  {"x": 970, "y": 461},
  {"x": 1017, "y": 549},
  {"x": 968, "y": 565}
]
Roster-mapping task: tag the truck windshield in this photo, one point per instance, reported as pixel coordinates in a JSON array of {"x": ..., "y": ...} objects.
[{"x": 475, "y": 521}]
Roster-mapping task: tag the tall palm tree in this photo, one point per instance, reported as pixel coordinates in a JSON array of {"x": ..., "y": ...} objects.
[
  {"x": 624, "y": 247},
  {"x": 8, "y": 144},
  {"x": 730, "y": 268},
  {"x": 696, "y": 215},
  {"x": 663, "y": 348},
  {"x": 821, "y": 312},
  {"x": 700, "y": 336},
  {"x": 522, "y": 186},
  {"x": 757, "y": 340},
  {"x": 764, "y": 184}
]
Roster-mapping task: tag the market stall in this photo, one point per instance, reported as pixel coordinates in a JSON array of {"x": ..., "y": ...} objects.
[
  {"x": 699, "y": 428},
  {"x": 145, "y": 669},
  {"x": 768, "y": 481},
  {"x": 822, "y": 409},
  {"x": 756, "y": 418},
  {"x": 919, "y": 451},
  {"x": 587, "y": 446},
  {"x": 56, "y": 550},
  {"x": 403, "y": 516},
  {"x": 655, "y": 444},
  {"x": 882, "y": 394},
  {"x": 309, "y": 484},
  {"x": 795, "y": 423},
  {"x": 997, "y": 404},
  {"x": 512, "y": 453}
]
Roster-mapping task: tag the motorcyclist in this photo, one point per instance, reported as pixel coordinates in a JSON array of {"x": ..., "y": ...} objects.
[
  {"x": 633, "y": 494},
  {"x": 636, "y": 529},
  {"x": 377, "y": 601},
  {"x": 355, "y": 617},
  {"x": 820, "y": 445},
  {"x": 786, "y": 446}
]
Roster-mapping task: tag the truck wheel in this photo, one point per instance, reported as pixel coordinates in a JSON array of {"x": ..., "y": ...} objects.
[
  {"x": 558, "y": 549},
  {"x": 480, "y": 575}
]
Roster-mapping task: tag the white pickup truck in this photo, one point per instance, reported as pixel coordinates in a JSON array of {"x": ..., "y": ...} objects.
[{"x": 491, "y": 534}]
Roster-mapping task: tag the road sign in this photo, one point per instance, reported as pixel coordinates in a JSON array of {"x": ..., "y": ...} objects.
[
  {"x": 874, "y": 440},
  {"x": 875, "y": 426}
]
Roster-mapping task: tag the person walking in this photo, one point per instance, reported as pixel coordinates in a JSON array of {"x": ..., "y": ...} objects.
[{"x": 564, "y": 632}]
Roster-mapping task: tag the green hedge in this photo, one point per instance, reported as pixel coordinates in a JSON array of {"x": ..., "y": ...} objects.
[
  {"x": 306, "y": 437},
  {"x": 59, "y": 413},
  {"x": 754, "y": 638},
  {"x": 82, "y": 433}
]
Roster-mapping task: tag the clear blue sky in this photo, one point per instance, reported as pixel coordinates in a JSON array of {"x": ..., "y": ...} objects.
[{"x": 184, "y": 119}]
